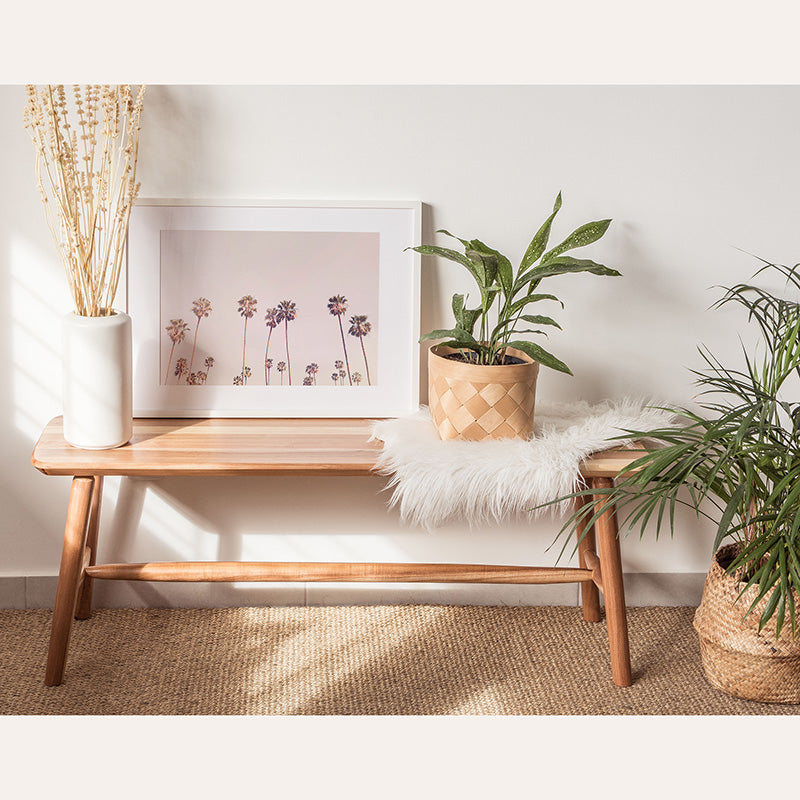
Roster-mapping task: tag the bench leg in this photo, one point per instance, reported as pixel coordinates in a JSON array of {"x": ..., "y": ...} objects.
[
  {"x": 69, "y": 577},
  {"x": 590, "y": 596},
  {"x": 85, "y": 598},
  {"x": 613, "y": 590}
]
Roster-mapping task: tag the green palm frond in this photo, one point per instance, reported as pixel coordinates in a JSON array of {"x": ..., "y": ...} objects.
[{"x": 737, "y": 462}]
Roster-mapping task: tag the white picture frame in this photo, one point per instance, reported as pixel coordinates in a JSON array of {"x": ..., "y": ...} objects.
[{"x": 319, "y": 249}]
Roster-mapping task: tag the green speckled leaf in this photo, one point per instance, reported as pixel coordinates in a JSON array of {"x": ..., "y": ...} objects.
[
  {"x": 539, "y": 241},
  {"x": 541, "y": 355},
  {"x": 564, "y": 265},
  {"x": 580, "y": 237}
]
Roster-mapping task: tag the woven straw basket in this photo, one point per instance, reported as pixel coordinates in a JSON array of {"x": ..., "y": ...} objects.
[
  {"x": 469, "y": 401},
  {"x": 737, "y": 659}
]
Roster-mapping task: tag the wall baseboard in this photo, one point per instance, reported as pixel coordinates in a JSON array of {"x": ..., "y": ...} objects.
[{"x": 641, "y": 589}]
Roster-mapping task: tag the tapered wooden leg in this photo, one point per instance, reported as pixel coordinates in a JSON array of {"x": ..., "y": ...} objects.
[
  {"x": 590, "y": 596},
  {"x": 613, "y": 590},
  {"x": 85, "y": 599},
  {"x": 69, "y": 577}
]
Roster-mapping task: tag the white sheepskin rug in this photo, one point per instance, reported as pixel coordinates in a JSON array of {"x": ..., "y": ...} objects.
[{"x": 434, "y": 481}]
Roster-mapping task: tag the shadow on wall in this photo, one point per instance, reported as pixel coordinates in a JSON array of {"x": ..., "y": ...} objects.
[
  {"x": 34, "y": 299},
  {"x": 134, "y": 519},
  {"x": 592, "y": 307},
  {"x": 190, "y": 519},
  {"x": 431, "y": 298},
  {"x": 223, "y": 518},
  {"x": 178, "y": 121}
]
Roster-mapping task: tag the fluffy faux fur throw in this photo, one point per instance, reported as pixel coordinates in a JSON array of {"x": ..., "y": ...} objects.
[{"x": 434, "y": 481}]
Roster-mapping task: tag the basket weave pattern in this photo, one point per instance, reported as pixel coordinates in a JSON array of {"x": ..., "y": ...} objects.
[
  {"x": 481, "y": 402},
  {"x": 737, "y": 659}
]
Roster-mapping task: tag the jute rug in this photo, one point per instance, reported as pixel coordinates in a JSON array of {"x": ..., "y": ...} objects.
[{"x": 364, "y": 660}]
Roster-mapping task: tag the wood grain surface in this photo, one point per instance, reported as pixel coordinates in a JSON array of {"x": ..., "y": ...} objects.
[
  {"x": 316, "y": 571},
  {"x": 161, "y": 447}
]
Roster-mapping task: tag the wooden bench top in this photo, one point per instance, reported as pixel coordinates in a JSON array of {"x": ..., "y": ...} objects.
[{"x": 164, "y": 447}]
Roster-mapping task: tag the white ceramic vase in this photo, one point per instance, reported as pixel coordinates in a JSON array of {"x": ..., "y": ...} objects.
[{"x": 97, "y": 395}]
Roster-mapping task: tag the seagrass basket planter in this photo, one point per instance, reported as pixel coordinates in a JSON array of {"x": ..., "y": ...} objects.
[
  {"x": 476, "y": 402},
  {"x": 737, "y": 658}
]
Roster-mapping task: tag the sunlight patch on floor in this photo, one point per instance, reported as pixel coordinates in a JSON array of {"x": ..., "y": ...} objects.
[{"x": 314, "y": 667}]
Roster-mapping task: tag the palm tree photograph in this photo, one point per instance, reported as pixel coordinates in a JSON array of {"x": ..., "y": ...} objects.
[
  {"x": 337, "y": 305},
  {"x": 201, "y": 308},
  {"x": 247, "y": 307},
  {"x": 359, "y": 327},
  {"x": 176, "y": 331},
  {"x": 201, "y": 376},
  {"x": 318, "y": 292},
  {"x": 287, "y": 312},
  {"x": 271, "y": 321},
  {"x": 181, "y": 368}
]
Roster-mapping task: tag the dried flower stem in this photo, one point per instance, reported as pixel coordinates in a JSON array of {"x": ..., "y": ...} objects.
[{"x": 86, "y": 172}]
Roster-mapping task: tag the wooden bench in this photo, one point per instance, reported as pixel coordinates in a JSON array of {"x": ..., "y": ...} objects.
[{"x": 186, "y": 447}]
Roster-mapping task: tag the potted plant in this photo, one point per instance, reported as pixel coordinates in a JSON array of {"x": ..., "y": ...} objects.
[
  {"x": 86, "y": 153},
  {"x": 736, "y": 462},
  {"x": 482, "y": 385}
]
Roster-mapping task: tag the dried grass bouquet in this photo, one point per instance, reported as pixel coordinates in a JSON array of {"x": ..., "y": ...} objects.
[{"x": 86, "y": 153}]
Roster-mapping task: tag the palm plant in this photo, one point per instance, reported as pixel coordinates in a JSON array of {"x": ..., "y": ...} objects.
[
  {"x": 337, "y": 305},
  {"x": 176, "y": 330},
  {"x": 201, "y": 376},
  {"x": 739, "y": 461},
  {"x": 287, "y": 312},
  {"x": 281, "y": 369},
  {"x": 360, "y": 327},
  {"x": 311, "y": 372},
  {"x": 200, "y": 308},
  {"x": 357, "y": 378},
  {"x": 247, "y": 307},
  {"x": 497, "y": 278},
  {"x": 181, "y": 369},
  {"x": 271, "y": 320}
]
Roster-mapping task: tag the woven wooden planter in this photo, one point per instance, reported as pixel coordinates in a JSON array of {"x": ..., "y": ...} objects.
[
  {"x": 469, "y": 401},
  {"x": 737, "y": 659}
]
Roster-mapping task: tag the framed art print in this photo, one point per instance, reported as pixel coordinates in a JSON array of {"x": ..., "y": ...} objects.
[{"x": 274, "y": 309}]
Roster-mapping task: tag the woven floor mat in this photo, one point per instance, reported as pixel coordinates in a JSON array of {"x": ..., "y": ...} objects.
[{"x": 363, "y": 660}]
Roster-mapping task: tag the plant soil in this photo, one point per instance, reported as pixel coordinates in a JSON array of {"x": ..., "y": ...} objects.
[
  {"x": 472, "y": 358},
  {"x": 725, "y": 559}
]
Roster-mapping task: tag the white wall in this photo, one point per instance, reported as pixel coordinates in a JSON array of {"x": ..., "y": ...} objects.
[{"x": 688, "y": 174}]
